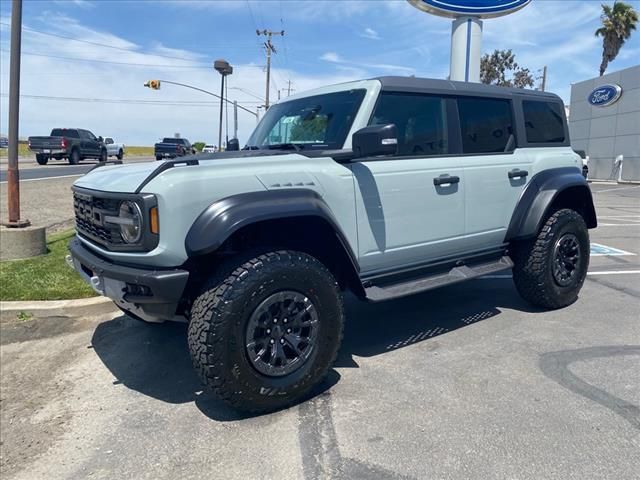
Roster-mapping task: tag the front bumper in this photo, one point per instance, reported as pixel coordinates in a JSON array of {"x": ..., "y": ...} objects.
[{"x": 150, "y": 294}]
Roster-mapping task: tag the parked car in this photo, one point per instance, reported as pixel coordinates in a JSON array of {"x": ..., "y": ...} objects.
[
  {"x": 114, "y": 149},
  {"x": 4, "y": 142},
  {"x": 585, "y": 162},
  {"x": 209, "y": 148},
  {"x": 74, "y": 144},
  {"x": 385, "y": 187},
  {"x": 172, "y": 148}
]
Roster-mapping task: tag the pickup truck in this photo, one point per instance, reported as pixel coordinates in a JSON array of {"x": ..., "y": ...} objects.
[
  {"x": 114, "y": 149},
  {"x": 172, "y": 148},
  {"x": 74, "y": 144}
]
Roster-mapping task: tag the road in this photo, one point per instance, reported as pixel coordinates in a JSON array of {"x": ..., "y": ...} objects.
[
  {"x": 59, "y": 169},
  {"x": 464, "y": 382}
]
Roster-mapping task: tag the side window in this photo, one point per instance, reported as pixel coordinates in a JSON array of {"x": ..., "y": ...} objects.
[
  {"x": 543, "y": 121},
  {"x": 84, "y": 134},
  {"x": 485, "y": 123},
  {"x": 73, "y": 133},
  {"x": 421, "y": 121}
]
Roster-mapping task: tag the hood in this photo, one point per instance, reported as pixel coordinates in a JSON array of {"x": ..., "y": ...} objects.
[
  {"x": 129, "y": 178},
  {"x": 117, "y": 178}
]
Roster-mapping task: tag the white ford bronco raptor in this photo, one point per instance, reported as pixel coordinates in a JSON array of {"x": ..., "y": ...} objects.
[{"x": 385, "y": 187}]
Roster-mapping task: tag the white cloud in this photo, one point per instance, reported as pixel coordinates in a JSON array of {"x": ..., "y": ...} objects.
[
  {"x": 331, "y": 57},
  {"x": 370, "y": 33}
]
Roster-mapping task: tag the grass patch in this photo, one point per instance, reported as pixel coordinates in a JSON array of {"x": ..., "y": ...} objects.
[
  {"x": 47, "y": 277},
  {"x": 23, "y": 151},
  {"x": 138, "y": 151}
]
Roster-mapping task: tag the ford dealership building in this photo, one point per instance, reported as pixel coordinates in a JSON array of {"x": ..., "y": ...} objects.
[{"x": 604, "y": 121}]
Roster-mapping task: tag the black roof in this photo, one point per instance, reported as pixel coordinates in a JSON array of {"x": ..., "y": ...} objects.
[{"x": 413, "y": 84}]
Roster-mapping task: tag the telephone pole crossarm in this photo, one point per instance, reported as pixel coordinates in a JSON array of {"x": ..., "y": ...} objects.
[{"x": 269, "y": 48}]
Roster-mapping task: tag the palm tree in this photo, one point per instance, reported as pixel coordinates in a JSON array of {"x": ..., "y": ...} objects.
[{"x": 617, "y": 24}]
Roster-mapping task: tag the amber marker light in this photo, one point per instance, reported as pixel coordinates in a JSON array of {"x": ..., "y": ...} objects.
[{"x": 154, "y": 223}]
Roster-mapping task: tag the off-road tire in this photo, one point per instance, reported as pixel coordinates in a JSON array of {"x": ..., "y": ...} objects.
[
  {"x": 103, "y": 156},
  {"x": 158, "y": 157},
  {"x": 41, "y": 159},
  {"x": 221, "y": 313},
  {"x": 74, "y": 157},
  {"x": 534, "y": 261},
  {"x": 120, "y": 155}
]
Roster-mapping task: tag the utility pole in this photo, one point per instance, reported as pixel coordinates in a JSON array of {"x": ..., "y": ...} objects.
[
  {"x": 289, "y": 88},
  {"x": 544, "y": 78},
  {"x": 13, "y": 175},
  {"x": 269, "y": 48}
]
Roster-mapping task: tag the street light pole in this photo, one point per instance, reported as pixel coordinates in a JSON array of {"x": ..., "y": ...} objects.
[
  {"x": 224, "y": 69},
  {"x": 13, "y": 175}
]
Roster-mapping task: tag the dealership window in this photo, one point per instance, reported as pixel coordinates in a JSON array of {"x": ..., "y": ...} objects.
[
  {"x": 421, "y": 121},
  {"x": 543, "y": 121},
  {"x": 485, "y": 123}
]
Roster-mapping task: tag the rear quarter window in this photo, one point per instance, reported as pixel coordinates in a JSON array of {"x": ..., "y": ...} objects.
[
  {"x": 543, "y": 121},
  {"x": 485, "y": 124}
]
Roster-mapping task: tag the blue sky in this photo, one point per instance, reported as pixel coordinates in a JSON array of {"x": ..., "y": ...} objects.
[{"x": 325, "y": 42}]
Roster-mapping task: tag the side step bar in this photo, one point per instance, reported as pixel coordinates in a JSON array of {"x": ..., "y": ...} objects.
[{"x": 457, "y": 274}]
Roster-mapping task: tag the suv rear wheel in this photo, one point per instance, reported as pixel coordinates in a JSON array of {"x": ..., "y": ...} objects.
[
  {"x": 550, "y": 270},
  {"x": 262, "y": 337}
]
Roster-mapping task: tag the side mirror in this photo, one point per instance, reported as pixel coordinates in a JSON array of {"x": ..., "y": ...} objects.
[
  {"x": 233, "y": 145},
  {"x": 100, "y": 139},
  {"x": 375, "y": 140}
]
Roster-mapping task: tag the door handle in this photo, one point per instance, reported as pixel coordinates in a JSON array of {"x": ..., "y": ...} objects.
[
  {"x": 445, "y": 180},
  {"x": 517, "y": 173}
]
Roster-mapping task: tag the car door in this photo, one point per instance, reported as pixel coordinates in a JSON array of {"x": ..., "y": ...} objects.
[
  {"x": 410, "y": 206},
  {"x": 496, "y": 172},
  {"x": 85, "y": 144}
]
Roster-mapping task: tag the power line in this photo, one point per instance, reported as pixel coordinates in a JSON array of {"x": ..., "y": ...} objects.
[
  {"x": 94, "y": 43},
  {"x": 131, "y": 101},
  {"x": 76, "y": 59}
]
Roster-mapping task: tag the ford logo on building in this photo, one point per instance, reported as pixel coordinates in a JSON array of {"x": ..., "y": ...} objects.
[
  {"x": 469, "y": 8},
  {"x": 605, "y": 95}
]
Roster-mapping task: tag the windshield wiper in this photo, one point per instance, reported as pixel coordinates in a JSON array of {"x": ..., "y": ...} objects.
[{"x": 285, "y": 146}]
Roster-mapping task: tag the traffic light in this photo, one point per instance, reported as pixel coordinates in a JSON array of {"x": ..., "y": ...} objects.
[{"x": 153, "y": 84}]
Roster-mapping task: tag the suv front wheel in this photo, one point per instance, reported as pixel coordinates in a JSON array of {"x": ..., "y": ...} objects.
[
  {"x": 262, "y": 337},
  {"x": 550, "y": 270}
]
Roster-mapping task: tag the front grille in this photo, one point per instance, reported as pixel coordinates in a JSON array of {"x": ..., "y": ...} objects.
[{"x": 90, "y": 212}]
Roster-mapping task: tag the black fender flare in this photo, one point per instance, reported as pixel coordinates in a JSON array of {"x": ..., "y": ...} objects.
[
  {"x": 540, "y": 193},
  {"x": 224, "y": 217}
]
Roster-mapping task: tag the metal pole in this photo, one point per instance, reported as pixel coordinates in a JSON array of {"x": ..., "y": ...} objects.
[
  {"x": 544, "y": 77},
  {"x": 235, "y": 119},
  {"x": 221, "y": 105},
  {"x": 13, "y": 176}
]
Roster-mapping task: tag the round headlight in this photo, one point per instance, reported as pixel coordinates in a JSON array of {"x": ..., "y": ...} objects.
[{"x": 131, "y": 222}]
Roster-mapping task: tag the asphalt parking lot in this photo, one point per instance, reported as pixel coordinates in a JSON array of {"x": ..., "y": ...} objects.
[{"x": 464, "y": 382}]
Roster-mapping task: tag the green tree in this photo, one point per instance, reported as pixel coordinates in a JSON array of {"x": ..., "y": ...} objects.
[
  {"x": 309, "y": 130},
  {"x": 501, "y": 68},
  {"x": 617, "y": 24},
  {"x": 198, "y": 146}
]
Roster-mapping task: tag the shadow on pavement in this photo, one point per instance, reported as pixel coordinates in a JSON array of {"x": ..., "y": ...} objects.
[{"x": 153, "y": 359}]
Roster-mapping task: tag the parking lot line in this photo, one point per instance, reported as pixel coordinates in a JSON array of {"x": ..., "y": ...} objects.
[
  {"x": 615, "y": 189},
  {"x": 606, "y": 272},
  {"x": 618, "y": 224}
]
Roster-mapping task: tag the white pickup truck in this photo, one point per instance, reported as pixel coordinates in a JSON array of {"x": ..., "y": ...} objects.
[{"x": 114, "y": 149}]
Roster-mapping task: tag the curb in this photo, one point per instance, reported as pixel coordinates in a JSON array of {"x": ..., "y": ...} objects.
[{"x": 56, "y": 308}]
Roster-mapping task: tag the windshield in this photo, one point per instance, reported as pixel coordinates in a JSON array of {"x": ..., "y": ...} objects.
[{"x": 320, "y": 121}]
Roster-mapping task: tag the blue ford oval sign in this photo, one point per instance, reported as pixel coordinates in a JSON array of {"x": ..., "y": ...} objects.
[
  {"x": 605, "y": 95},
  {"x": 469, "y": 8}
]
